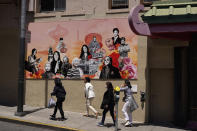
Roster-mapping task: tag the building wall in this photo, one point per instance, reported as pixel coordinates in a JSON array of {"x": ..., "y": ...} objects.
[
  {"x": 9, "y": 51},
  {"x": 161, "y": 75},
  {"x": 38, "y": 91},
  {"x": 85, "y": 10}
]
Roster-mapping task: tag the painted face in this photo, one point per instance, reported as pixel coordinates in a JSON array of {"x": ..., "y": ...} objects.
[
  {"x": 47, "y": 67},
  {"x": 94, "y": 38},
  {"x": 122, "y": 42},
  {"x": 35, "y": 52},
  {"x": 61, "y": 41},
  {"x": 65, "y": 60},
  {"x": 75, "y": 62},
  {"x": 115, "y": 33},
  {"x": 85, "y": 49},
  {"x": 107, "y": 61},
  {"x": 50, "y": 59},
  {"x": 56, "y": 56}
]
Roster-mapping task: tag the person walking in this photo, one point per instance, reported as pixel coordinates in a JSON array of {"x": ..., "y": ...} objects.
[
  {"x": 89, "y": 95},
  {"x": 130, "y": 104},
  {"x": 108, "y": 103},
  {"x": 60, "y": 93}
]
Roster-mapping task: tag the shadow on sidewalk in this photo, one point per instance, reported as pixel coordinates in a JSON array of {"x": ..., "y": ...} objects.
[{"x": 31, "y": 111}]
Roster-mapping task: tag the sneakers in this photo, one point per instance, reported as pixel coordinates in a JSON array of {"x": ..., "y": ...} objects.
[
  {"x": 128, "y": 124},
  {"x": 100, "y": 124}
]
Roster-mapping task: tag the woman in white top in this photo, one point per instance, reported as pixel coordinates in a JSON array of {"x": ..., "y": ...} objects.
[{"x": 89, "y": 95}]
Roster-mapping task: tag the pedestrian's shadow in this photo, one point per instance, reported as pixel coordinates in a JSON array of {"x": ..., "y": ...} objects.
[{"x": 31, "y": 111}]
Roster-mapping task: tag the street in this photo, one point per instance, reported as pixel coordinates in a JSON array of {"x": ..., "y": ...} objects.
[{"x": 16, "y": 126}]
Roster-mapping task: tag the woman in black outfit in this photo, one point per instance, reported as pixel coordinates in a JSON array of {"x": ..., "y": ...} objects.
[
  {"x": 56, "y": 64},
  {"x": 60, "y": 93},
  {"x": 108, "y": 103}
]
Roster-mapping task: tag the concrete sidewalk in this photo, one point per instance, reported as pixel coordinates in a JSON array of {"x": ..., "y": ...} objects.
[{"x": 76, "y": 121}]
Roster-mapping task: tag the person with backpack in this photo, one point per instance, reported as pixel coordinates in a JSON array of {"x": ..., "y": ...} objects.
[
  {"x": 60, "y": 94},
  {"x": 108, "y": 103}
]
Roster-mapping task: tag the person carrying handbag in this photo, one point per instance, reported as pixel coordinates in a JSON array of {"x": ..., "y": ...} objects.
[
  {"x": 130, "y": 104},
  {"x": 108, "y": 103},
  {"x": 60, "y": 93},
  {"x": 89, "y": 95}
]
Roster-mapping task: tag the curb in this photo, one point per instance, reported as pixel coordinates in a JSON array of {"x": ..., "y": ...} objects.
[{"x": 38, "y": 124}]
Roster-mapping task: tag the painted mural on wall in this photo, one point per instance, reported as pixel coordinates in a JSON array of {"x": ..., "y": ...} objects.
[{"x": 100, "y": 49}]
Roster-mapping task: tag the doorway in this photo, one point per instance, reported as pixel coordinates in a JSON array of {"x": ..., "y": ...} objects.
[{"x": 181, "y": 86}]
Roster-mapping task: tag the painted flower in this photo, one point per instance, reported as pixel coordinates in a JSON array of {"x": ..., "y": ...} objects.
[{"x": 129, "y": 70}]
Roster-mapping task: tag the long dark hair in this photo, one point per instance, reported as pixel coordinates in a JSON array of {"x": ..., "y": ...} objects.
[
  {"x": 82, "y": 52},
  {"x": 32, "y": 53},
  {"x": 109, "y": 86},
  {"x": 58, "y": 82},
  {"x": 127, "y": 82},
  {"x": 57, "y": 54}
]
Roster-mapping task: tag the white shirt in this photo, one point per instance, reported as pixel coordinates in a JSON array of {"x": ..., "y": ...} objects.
[{"x": 89, "y": 90}]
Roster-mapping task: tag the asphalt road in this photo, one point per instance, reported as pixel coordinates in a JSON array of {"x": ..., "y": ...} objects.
[{"x": 17, "y": 126}]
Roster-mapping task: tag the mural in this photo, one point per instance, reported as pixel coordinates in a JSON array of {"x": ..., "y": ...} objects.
[{"x": 100, "y": 49}]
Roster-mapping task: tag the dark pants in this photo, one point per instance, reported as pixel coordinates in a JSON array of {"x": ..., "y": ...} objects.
[
  {"x": 59, "y": 106},
  {"x": 111, "y": 109}
]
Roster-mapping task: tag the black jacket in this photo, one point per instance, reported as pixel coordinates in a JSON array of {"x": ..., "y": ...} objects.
[
  {"x": 53, "y": 64},
  {"x": 108, "y": 99},
  {"x": 113, "y": 73},
  {"x": 59, "y": 92},
  {"x": 118, "y": 40}
]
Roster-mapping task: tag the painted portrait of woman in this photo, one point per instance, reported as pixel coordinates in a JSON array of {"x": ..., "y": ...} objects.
[
  {"x": 109, "y": 71},
  {"x": 85, "y": 53},
  {"x": 56, "y": 64}
]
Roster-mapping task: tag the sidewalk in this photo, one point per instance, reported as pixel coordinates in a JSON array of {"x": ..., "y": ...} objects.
[{"x": 76, "y": 121}]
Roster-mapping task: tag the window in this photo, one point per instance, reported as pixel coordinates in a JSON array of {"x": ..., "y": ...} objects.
[
  {"x": 118, "y": 4},
  {"x": 148, "y": 2},
  {"x": 53, "y": 5}
]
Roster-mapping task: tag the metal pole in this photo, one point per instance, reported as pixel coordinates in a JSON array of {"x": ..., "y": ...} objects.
[
  {"x": 116, "y": 124},
  {"x": 21, "y": 60}
]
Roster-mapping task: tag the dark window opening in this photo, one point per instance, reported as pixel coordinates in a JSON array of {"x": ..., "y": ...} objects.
[
  {"x": 148, "y": 2},
  {"x": 118, "y": 4},
  {"x": 53, "y": 5}
]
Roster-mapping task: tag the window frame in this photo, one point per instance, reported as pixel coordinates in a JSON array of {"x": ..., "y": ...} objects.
[
  {"x": 146, "y": 3},
  {"x": 118, "y": 7},
  {"x": 54, "y": 8}
]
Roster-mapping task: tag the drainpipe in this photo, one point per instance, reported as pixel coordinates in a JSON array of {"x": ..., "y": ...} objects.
[{"x": 21, "y": 67}]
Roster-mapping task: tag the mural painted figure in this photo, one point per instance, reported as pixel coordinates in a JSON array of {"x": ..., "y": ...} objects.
[
  {"x": 95, "y": 49},
  {"x": 85, "y": 56},
  {"x": 56, "y": 64},
  {"x": 109, "y": 71},
  {"x": 33, "y": 61},
  {"x": 75, "y": 72},
  {"x": 65, "y": 66}
]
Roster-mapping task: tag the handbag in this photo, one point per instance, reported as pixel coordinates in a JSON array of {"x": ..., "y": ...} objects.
[
  {"x": 51, "y": 103},
  {"x": 133, "y": 104}
]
